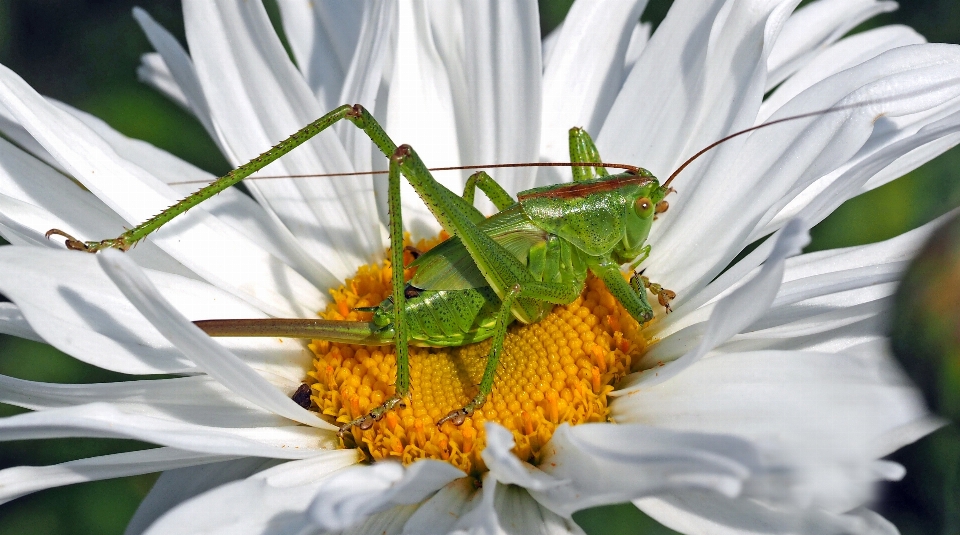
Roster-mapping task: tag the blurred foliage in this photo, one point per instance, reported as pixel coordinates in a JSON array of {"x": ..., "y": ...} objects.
[
  {"x": 926, "y": 333},
  {"x": 926, "y": 339},
  {"x": 85, "y": 53}
]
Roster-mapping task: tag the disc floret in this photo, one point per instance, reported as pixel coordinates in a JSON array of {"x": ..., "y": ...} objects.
[{"x": 558, "y": 370}]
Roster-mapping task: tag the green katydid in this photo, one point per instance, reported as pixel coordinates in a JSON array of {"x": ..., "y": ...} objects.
[{"x": 517, "y": 264}]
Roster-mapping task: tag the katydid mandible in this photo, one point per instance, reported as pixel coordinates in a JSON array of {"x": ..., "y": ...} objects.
[{"x": 515, "y": 265}]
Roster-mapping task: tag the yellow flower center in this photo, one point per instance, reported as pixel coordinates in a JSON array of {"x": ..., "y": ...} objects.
[{"x": 557, "y": 370}]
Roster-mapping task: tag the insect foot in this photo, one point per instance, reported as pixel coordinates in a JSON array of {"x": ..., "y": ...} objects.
[
  {"x": 366, "y": 421},
  {"x": 457, "y": 417},
  {"x": 90, "y": 246},
  {"x": 664, "y": 296}
]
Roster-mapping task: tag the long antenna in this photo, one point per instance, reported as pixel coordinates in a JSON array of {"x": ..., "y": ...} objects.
[
  {"x": 825, "y": 111},
  {"x": 627, "y": 167}
]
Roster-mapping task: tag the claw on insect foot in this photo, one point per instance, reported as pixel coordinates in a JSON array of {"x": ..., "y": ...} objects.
[
  {"x": 89, "y": 246},
  {"x": 72, "y": 243},
  {"x": 456, "y": 417},
  {"x": 664, "y": 297},
  {"x": 366, "y": 421}
]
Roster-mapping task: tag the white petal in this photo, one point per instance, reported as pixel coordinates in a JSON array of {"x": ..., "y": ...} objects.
[
  {"x": 180, "y": 68},
  {"x": 257, "y": 98},
  {"x": 772, "y": 166},
  {"x": 710, "y": 514},
  {"x": 735, "y": 312},
  {"x": 203, "y": 244},
  {"x": 420, "y": 108},
  {"x": 830, "y": 404},
  {"x": 389, "y": 522},
  {"x": 347, "y": 498},
  {"x": 813, "y": 27},
  {"x": 548, "y": 43},
  {"x": 440, "y": 513},
  {"x": 207, "y": 354},
  {"x": 840, "y": 56},
  {"x": 229, "y": 206},
  {"x": 177, "y": 486},
  {"x": 13, "y": 323},
  {"x": 892, "y": 151},
  {"x": 808, "y": 329},
  {"x": 197, "y": 400},
  {"x": 700, "y": 76},
  {"x": 70, "y": 305},
  {"x": 323, "y": 37},
  {"x": 506, "y": 467},
  {"x": 518, "y": 513},
  {"x": 37, "y": 198},
  {"x": 272, "y": 501},
  {"x": 638, "y": 40},
  {"x": 22, "y": 480},
  {"x": 101, "y": 420},
  {"x": 364, "y": 81},
  {"x": 892, "y": 251},
  {"x": 75, "y": 307},
  {"x": 503, "y": 87},
  {"x": 582, "y": 81},
  {"x": 602, "y": 464},
  {"x": 16, "y": 133},
  {"x": 481, "y": 515},
  {"x": 155, "y": 73},
  {"x": 876, "y": 524},
  {"x": 851, "y": 183}
]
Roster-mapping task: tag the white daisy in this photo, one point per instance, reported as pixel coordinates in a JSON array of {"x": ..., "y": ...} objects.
[{"x": 763, "y": 404}]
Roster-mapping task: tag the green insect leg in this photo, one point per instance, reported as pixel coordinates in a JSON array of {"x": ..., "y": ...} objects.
[
  {"x": 500, "y": 267},
  {"x": 632, "y": 297},
  {"x": 130, "y": 238},
  {"x": 521, "y": 295},
  {"x": 400, "y": 326},
  {"x": 583, "y": 150},
  {"x": 664, "y": 296},
  {"x": 550, "y": 292},
  {"x": 499, "y": 196}
]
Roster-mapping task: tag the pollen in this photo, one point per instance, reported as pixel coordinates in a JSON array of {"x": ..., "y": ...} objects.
[{"x": 559, "y": 370}]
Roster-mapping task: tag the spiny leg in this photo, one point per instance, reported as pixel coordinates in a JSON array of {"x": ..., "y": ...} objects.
[
  {"x": 551, "y": 292},
  {"x": 583, "y": 150},
  {"x": 355, "y": 114},
  {"x": 641, "y": 284},
  {"x": 458, "y": 416},
  {"x": 400, "y": 327},
  {"x": 499, "y": 266},
  {"x": 494, "y": 191},
  {"x": 633, "y": 299},
  {"x": 130, "y": 238}
]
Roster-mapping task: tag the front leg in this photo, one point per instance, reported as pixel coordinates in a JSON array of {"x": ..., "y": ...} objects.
[
  {"x": 633, "y": 300},
  {"x": 664, "y": 296}
]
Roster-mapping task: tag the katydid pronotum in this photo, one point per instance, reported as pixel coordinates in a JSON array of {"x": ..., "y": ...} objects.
[{"x": 517, "y": 264}]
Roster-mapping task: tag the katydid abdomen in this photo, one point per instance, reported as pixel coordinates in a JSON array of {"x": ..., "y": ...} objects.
[
  {"x": 448, "y": 302},
  {"x": 441, "y": 318}
]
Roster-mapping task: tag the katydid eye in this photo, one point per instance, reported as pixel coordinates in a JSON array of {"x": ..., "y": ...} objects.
[{"x": 644, "y": 207}]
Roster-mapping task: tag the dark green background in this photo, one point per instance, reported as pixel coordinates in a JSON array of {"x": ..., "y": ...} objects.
[{"x": 86, "y": 53}]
